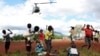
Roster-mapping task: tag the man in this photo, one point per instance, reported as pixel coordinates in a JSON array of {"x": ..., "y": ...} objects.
[{"x": 88, "y": 35}]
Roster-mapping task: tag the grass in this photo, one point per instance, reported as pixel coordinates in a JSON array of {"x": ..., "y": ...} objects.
[{"x": 83, "y": 52}]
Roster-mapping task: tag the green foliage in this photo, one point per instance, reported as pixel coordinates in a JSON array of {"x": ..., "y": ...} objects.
[
  {"x": 1, "y": 40},
  {"x": 17, "y": 37},
  {"x": 57, "y": 36}
]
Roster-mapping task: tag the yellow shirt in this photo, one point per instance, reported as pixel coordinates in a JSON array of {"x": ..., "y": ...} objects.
[{"x": 47, "y": 34}]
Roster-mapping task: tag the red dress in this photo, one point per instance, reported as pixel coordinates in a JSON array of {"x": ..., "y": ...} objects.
[{"x": 41, "y": 36}]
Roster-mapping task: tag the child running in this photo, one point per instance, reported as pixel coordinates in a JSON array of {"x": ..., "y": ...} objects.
[
  {"x": 88, "y": 35},
  {"x": 73, "y": 34}
]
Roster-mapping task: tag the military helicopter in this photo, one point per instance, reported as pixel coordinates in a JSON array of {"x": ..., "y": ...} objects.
[{"x": 36, "y": 9}]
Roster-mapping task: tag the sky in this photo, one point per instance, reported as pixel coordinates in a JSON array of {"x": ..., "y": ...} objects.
[{"x": 15, "y": 14}]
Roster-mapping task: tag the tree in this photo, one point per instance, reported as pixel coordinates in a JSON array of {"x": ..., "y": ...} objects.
[{"x": 78, "y": 30}]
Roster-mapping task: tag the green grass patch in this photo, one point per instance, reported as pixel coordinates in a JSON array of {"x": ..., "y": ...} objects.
[{"x": 63, "y": 52}]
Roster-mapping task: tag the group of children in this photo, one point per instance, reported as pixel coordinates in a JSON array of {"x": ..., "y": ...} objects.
[
  {"x": 89, "y": 37},
  {"x": 36, "y": 35},
  {"x": 39, "y": 37}
]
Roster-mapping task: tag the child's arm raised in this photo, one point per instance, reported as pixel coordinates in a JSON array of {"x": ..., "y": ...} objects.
[{"x": 10, "y": 31}]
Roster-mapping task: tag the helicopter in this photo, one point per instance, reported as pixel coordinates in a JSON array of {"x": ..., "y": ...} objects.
[{"x": 36, "y": 9}]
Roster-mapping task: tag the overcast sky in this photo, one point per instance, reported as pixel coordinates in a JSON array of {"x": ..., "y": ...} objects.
[{"x": 15, "y": 14}]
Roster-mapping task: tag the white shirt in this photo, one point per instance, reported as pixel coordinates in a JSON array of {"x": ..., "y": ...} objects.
[{"x": 73, "y": 51}]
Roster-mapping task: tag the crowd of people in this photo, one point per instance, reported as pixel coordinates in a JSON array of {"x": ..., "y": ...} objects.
[{"x": 37, "y": 35}]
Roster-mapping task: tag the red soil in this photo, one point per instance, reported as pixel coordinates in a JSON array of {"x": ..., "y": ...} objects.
[{"x": 57, "y": 44}]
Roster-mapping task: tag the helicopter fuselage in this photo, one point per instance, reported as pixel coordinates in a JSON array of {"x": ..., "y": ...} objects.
[{"x": 36, "y": 10}]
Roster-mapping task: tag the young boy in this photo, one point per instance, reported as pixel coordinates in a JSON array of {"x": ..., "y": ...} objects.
[
  {"x": 7, "y": 39},
  {"x": 73, "y": 51}
]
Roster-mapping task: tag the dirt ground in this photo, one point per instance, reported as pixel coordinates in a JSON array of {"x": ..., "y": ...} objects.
[{"x": 57, "y": 44}]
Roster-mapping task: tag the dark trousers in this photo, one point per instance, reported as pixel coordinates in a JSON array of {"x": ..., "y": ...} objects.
[
  {"x": 87, "y": 42},
  {"x": 48, "y": 45},
  {"x": 7, "y": 45}
]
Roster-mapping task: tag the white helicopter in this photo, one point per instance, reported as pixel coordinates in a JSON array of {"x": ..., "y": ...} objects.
[{"x": 36, "y": 9}]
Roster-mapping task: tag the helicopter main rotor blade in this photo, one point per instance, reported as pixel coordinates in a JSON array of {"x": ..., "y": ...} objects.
[{"x": 45, "y": 3}]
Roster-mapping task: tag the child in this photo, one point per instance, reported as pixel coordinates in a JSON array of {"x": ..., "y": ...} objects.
[
  {"x": 28, "y": 37},
  {"x": 36, "y": 33},
  {"x": 48, "y": 37},
  {"x": 39, "y": 48},
  {"x": 7, "y": 39},
  {"x": 73, "y": 34},
  {"x": 28, "y": 33},
  {"x": 41, "y": 37},
  {"x": 28, "y": 46},
  {"x": 96, "y": 36},
  {"x": 88, "y": 35},
  {"x": 73, "y": 51}
]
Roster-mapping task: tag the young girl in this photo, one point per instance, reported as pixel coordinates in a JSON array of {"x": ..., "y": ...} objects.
[{"x": 7, "y": 39}]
